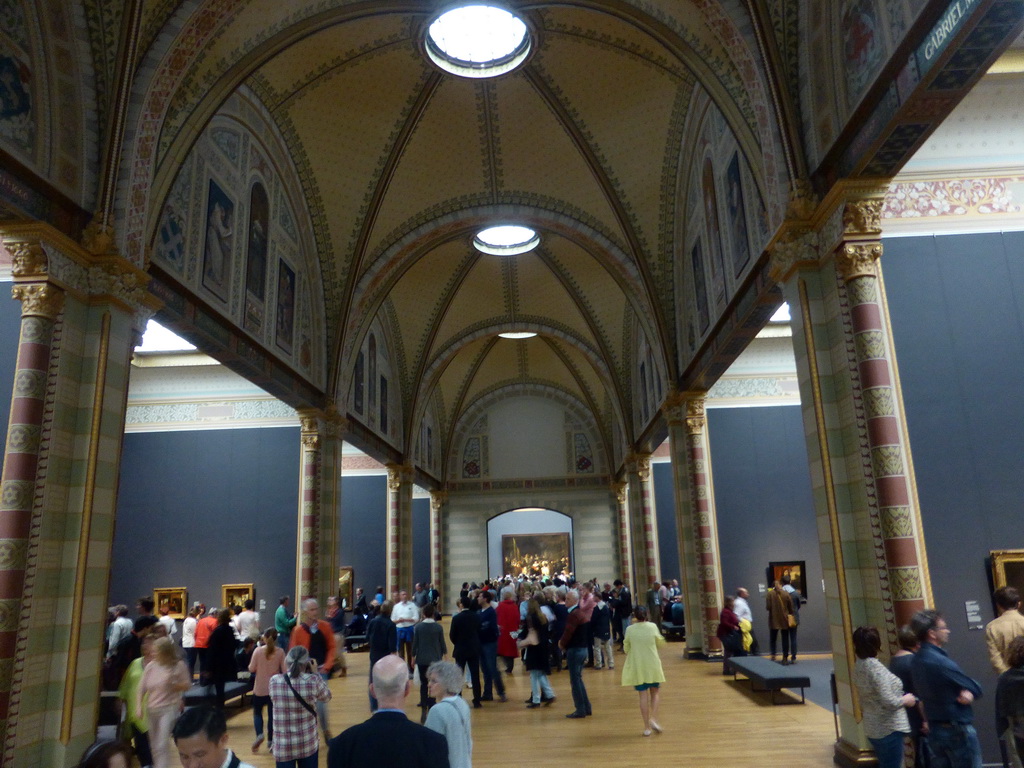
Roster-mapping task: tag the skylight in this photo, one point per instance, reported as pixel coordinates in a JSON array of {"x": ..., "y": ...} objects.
[
  {"x": 781, "y": 314},
  {"x": 506, "y": 240},
  {"x": 478, "y": 40},
  {"x": 160, "y": 339}
]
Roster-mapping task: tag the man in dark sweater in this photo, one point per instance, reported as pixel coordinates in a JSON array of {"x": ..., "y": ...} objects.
[
  {"x": 382, "y": 637},
  {"x": 465, "y": 637},
  {"x": 574, "y": 643}
]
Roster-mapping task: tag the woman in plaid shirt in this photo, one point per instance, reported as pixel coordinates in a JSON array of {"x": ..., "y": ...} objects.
[{"x": 293, "y": 696}]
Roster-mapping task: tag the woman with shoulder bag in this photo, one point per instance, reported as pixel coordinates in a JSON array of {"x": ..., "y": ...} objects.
[
  {"x": 780, "y": 617},
  {"x": 293, "y": 695}
]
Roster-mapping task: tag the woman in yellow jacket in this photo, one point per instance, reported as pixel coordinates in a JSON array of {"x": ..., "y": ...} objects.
[{"x": 642, "y": 669}]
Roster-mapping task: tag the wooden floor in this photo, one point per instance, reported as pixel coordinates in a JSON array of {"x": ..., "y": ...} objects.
[{"x": 709, "y": 720}]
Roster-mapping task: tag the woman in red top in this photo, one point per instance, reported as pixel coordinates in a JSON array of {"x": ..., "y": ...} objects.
[
  {"x": 508, "y": 627},
  {"x": 729, "y": 633}
]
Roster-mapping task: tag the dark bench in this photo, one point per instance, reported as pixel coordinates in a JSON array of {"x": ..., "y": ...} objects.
[
  {"x": 203, "y": 694},
  {"x": 670, "y": 630},
  {"x": 355, "y": 642},
  {"x": 770, "y": 675}
]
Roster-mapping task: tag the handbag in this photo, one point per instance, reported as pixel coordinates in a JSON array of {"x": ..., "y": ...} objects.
[
  {"x": 791, "y": 619},
  {"x": 530, "y": 639}
]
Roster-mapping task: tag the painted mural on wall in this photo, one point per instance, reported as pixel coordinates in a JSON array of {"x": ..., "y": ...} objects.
[
  {"x": 845, "y": 47},
  {"x": 647, "y": 388},
  {"x": 723, "y": 224},
  {"x": 373, "y": 399},
  {"x": 227, "y": 233}
]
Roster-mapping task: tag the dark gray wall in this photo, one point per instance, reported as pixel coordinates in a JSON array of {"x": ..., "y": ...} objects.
[
  {"x": 10, "y": 332},
  {"x": 420, "y": 541},
  {"x": 201, "y": 509},
  {"x": 765, "y": 509},
  {"x": 363, "y": 545},
  {"x": 958, "y": 324},
  {"x": 665, "y": 511}
]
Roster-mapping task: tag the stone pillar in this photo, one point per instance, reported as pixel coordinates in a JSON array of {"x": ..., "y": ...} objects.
[
  {"x": 316, "y": 563},
  {"x": 438, "y": 502},
  {"x": 898, "y": 514},
  {"x": 400, "y": 479},
  {"x": 686, "y": 523},
  {"x": 871, "y": 543},
  {"x": 625, "y": 545},
  {"x": 705, "y": 523},
  {"x": 59, "y": 487},
  {"x": 646, "y": 560}
]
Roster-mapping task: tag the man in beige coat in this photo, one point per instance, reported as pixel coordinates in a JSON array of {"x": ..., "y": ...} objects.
[{"x": 1006, "y": 626}]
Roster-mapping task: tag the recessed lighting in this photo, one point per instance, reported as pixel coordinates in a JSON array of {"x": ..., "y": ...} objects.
[
  {"x": 506, "y": 240},
  {"x": 517, "y": 335},
  {"x": 478, "y": 40}
]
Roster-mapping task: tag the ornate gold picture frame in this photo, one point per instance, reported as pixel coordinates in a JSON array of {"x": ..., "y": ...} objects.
[
  {"x": 346, "y": 591},
  {"x": 1008, "y": 568},
  {"x": 236, "y": 594},
  {"x": 175, "y": 598}
]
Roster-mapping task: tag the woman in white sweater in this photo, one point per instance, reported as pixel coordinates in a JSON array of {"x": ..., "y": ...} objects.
[
  {"x": 883, "y": 702},
  {"x": 450, "y": 716}
]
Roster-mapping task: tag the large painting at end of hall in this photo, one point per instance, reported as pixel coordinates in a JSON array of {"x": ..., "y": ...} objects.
[{"x": 535, "y": 554}]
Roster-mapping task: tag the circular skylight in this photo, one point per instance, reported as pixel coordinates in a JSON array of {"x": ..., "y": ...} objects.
[
  {"x": 478, "y": 40},
  {"x": 517, "y": 335},
  {"x": 506, "y": 240}
]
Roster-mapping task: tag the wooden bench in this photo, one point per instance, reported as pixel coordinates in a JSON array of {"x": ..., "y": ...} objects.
[
  {"x": 770, "y": 675},
  {"x": 203, "y": 694},
  {"x": 673, "y": 631}
]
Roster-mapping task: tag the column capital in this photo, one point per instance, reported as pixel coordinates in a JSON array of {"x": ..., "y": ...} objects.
[
  {"x": 676, "y": 402},
  {"x": 309, "y": 425},
  {"x": 438, "y": 499},
  {"x": 28, "y": 258},
  {"x": 619, "y": 489},
  {"x": 398, "y": 474},
  {"x": 855, "y": 260},
  {"x": 695, "y": 415},
  {"x": 39, "y": 299}
]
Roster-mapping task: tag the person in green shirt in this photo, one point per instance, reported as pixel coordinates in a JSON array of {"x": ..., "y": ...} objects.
[
  {"x": 283, "y": 622},
  {"x": 138, "y": 723}
]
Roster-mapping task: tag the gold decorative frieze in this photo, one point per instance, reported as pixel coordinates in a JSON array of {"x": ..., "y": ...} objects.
[
  {"x": 28, "y": 258},
  {"x": 863, "y": 217}
]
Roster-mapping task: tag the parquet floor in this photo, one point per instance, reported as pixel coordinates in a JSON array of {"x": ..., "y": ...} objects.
[{"x": 709, "y": 720}]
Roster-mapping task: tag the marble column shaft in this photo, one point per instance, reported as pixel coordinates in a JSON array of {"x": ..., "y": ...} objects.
[
  {"x": 319, "y": 477},
  {"x": 624, "y": 544},
  {"x": 399, "y": 521},
  {"x": 644, "y": 523},
  {"x": 438, "y": 502}
]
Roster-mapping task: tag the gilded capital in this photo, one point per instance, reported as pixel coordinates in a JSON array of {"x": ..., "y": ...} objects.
[
  {"x": 28, "y": 258},
  {"x": 857, "y": 260},
  {"x": 643, "y": 466},
  {"x": 619, "y": 489},
  {"x": 438, "y": 499},
  {"x": 695, "y": 418},
  {"x": 309, "y": 425},
  {"x": 863, "y": 217},
  {"x": 39, "y": 299},
  {"x": 394, "y": 476}
]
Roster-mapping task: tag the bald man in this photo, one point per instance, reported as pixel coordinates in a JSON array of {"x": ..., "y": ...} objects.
[{"x": 388, "y": 739}]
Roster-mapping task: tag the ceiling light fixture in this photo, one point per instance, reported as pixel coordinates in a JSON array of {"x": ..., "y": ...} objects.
[
  {"x": 478, "y": 40},
  {"x": 517, "y": 335},
  {"x": 506, "y": 240}
]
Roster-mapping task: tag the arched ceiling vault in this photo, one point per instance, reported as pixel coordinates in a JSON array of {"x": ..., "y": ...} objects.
[{"x": 400, "y": 163}]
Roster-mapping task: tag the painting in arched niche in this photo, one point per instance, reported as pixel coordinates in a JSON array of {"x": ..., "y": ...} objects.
[
  {"x": 256, "y": 259},
  {"x": 372, "y": 355},
  {"x": 220, "y": 211},
  {"x": 713, "y": 231}
]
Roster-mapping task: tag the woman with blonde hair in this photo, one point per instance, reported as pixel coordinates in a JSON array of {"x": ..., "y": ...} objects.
[
  {"x": 267, "y": 660},
  {"x": 163, "y": 681},
  {"x": 642, "y": 669}
]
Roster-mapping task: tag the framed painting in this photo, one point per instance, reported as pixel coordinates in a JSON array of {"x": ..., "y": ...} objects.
[
  {"x": 536, "y": 554},
  {"x": 1008, "y": 568},
  {"x": 796, "y": 570},
  {"x": 175, "y": 598},
  {"x": 236, "y": 594},
  {"x": 346, "y": 592}
]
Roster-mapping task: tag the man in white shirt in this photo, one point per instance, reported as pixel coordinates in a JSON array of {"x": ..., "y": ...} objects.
[
  {"x": 167, "y": 621},
  {"x": 405, "y": 614},
  {"x": 249, "y": 622},
  {"x": 742, "y": 610},
  {"x": 119, "y": 629}
]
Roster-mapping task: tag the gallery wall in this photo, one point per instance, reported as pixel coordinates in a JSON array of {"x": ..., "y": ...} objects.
[
  {"x": 958, "y": 326},
  {"x": 10, "y": 332}
]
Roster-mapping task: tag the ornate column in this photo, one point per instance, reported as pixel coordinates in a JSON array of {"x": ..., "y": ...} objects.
[
  {"x": 644, "y": 524},
  {"x": 625, "y": 545},
  {"x": 686, "y": 523},
  {"x": 438, "y": 502},
  {"x": 41, "y": 305},
  {"x": 898, "y": 514},
  {"x": 400, "y": 478},
  {"x": 319, "y": 475},
  {"x": 59, "y": 485},
  {"x": 705, "y": 524}
]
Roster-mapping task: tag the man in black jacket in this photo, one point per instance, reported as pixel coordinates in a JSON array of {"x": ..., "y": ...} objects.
[
  {"x": 465, "y": 637},
  {"x": 388, "y": 739}
]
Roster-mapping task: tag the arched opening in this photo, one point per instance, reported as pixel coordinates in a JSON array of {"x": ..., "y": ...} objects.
[{"x": 530, "y": 540}]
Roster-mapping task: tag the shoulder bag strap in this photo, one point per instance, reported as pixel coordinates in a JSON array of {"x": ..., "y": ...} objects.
[{"x": 302, "y": 701}]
